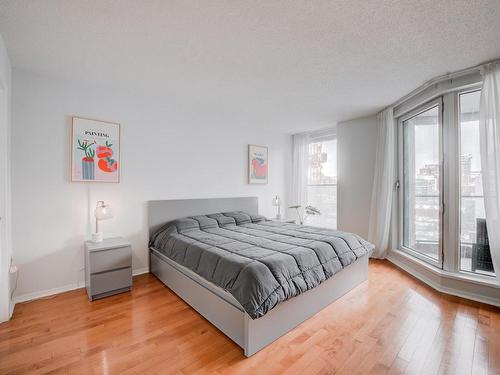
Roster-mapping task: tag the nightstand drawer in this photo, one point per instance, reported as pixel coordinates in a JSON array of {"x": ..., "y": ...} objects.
[
  {"x": 106, "y": 260},
  {"x": 112, "y": 280}
]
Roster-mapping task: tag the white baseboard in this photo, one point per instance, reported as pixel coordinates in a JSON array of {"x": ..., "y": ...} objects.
[
  {"x": 61, "y": 289},
  {"x": 45, "y": 293},
  {"x": 140, "y": 271},
  {"x": 441, "y": 288}
]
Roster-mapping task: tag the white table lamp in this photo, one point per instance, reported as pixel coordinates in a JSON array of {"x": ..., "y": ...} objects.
[
  {"x": 277, "y": 203},
  {"x": 102, "y": 211}
]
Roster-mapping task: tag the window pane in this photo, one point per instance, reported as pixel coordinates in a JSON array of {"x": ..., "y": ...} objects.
[
  {"x": 322, "y": 182},
  {"x": 474, "y": 249},
  {"x": 322, "y": 162},
  {"x": 421, "y": 169},
  {"x": 325, "y": 198}
]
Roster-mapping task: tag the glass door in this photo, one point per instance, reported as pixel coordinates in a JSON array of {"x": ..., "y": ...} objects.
[{"x": 421, "y": 177}]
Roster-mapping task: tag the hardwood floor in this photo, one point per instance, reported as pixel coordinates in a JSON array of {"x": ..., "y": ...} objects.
[{"x": 392, "y": 324}]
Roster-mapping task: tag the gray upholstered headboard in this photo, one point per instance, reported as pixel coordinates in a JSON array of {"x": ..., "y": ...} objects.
[{"x": 163, "y": 211}]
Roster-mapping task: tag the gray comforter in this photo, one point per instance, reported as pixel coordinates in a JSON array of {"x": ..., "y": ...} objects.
[{"x": 259, "y": 262}]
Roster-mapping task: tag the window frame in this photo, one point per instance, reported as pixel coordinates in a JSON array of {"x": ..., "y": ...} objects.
[
  {"x": 401, "y": 189},
  {"x": 450, "y": 182},
  {"x": 459, "y": 185}
]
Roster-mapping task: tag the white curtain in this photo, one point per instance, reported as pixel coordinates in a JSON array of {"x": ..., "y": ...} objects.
[
  {"x": 489, "y": 136},
  {"x": 383, "y": 184},
  {"x": 299, "y": 171}
]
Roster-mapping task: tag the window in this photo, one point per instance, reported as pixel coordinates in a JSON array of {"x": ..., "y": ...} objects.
[
  {"x": 422, "y": 183},
  {"x": 474, "y": 249},
  {"x": 441, "y": 202},
  {"x": 322, "y": 180}
]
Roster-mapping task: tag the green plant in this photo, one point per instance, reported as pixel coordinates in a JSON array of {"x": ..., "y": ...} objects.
[
  {"x": 305, "y": 212},
  {"x": 85, "y": 146}
]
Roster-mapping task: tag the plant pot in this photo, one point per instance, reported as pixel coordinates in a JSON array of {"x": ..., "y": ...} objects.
[{"x": 88, "y": 172}]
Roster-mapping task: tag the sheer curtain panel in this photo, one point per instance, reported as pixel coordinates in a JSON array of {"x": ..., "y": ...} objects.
[
  {"x": 383, "y": 184},
  {"x": 299, "y": 172},
  {"x": 489, "y": 137}
]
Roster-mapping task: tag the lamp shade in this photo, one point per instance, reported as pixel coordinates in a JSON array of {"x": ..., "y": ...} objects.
[
  {"x": 276, "y": 201},
  {"x": 103, "y": 211}
]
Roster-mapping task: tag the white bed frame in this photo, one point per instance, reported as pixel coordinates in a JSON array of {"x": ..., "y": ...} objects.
[{"x": 218, "y": 306}]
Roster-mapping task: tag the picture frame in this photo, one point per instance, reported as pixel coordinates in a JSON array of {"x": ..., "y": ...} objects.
[
  {"x": 95, "y": 150},
  {"x": 258, "y": 165}
]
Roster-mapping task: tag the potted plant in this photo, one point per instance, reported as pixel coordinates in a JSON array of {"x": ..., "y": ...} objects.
[
  {"x": 303, "y": 213},
  {"x": 88, "y": 172}
]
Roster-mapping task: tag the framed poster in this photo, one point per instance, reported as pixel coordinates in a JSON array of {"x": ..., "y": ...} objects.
[
  {"x": 95, "y": 151},
  {"x": 258, "y": 165}
]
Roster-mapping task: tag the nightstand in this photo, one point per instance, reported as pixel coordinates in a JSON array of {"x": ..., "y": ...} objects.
[{"x": 108, "y": 267}]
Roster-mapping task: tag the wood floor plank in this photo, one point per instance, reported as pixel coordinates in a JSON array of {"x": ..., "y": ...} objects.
[{"x": 392, "y": 324}]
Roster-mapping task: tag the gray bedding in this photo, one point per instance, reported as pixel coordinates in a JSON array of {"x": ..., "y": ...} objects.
[{"x": 260, "y": 262}]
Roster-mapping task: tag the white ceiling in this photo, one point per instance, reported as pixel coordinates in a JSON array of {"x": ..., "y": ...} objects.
[{"x": 293, "y": 65}]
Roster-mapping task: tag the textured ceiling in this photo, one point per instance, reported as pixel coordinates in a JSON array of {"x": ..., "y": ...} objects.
[{"x": 293, "y": 65}]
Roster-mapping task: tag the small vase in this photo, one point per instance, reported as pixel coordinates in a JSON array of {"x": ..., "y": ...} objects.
[{"x": 88, "y": 169}]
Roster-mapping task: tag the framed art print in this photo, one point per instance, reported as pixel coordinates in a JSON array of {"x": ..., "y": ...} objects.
[
  {"x": 258, "y": 164},
  {"x": 95, "y": 151}
]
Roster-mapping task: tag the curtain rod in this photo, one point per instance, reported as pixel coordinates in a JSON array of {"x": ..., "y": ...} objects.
[
  {"x": 441, "y": 78},
  {"x": 421, "y": 88},
  {"x": 332, "y": 128}
]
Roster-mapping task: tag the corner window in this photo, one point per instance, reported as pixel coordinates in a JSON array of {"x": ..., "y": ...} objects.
[{"x": 441, "y": 201}]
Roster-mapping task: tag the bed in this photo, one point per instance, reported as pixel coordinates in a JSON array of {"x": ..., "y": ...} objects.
[{"x": 252, "y": 278}]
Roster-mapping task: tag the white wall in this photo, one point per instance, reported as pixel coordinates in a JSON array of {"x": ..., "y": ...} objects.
[
  {"x": 167, "y": 152},
  {"x": 356, "y": 163},
  {"x": 5, "y": 201}
]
